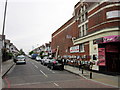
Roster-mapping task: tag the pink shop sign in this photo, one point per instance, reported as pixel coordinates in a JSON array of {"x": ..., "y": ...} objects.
[{"x": 113, "y": 38}]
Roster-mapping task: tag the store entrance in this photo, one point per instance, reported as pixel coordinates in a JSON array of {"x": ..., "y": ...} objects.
[{"x": 112, "y": 62}]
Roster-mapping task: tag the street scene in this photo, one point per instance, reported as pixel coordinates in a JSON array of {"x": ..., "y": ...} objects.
[
  {"x": 36, "y": 75},
  {"x": 56, "y": 45}
]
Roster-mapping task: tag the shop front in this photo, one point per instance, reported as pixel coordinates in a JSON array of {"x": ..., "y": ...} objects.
[{"x": 109, "y": 54}]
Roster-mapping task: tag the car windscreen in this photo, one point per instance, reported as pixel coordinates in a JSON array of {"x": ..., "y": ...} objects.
[{"x": 20, "y": 57}]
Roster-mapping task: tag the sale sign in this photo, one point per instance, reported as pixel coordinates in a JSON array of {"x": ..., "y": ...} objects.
[{"x": 101, "y": 57}]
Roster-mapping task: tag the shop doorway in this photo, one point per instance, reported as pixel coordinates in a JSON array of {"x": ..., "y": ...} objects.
[{"x": 112, "y": 62}]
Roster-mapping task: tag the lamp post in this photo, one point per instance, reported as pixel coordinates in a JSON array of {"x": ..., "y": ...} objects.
[{"x": 4, "y": 20}]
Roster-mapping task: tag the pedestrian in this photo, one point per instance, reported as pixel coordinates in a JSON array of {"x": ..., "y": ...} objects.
[{"x": 79, "y": 64}]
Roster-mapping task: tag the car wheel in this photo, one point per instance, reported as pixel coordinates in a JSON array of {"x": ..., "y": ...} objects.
[
  {"x": 52, "y": 67},
  {"x": 44, "y": 64}
]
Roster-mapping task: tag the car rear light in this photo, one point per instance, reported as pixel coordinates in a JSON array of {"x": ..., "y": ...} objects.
[{"x": 54, "y": 62}]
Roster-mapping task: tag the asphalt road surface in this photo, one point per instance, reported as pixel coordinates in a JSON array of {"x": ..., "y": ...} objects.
[{"x": 34, "y": 75}]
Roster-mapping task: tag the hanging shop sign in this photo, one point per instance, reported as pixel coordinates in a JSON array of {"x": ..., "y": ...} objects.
[
  {"x": 101, "y": 57},
  {"x": 113, "y": 38},
  {"x": 75, "y": 49}
]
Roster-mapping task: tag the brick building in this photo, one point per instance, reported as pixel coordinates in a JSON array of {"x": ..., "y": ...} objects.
[
  {"x": 99, "y": 26},
  {"x": 62, "y": 38},
  {"x": 90, "y": 34}
]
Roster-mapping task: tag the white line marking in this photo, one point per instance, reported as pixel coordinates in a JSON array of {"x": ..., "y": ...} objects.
[
  {"x": 32, "y": 63},
  {"x": 56, "y": 84},
  {"x": 53, "y": 72},
  {"x": 43, "y": 73},
  {"x": 36, "y": 66}
]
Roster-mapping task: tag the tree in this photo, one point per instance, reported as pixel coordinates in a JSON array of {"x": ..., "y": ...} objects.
[
  {"x": 31, "y": 52},
  {"x": 41, "y": 54},
  {"x": 22, "y": 52}
]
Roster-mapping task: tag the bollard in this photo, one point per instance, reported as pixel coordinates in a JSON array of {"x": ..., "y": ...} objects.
[
  {"x": 82, "y": 71},
  {"x": 90, "y": 74},
  {"x": 91, "y": 65}
]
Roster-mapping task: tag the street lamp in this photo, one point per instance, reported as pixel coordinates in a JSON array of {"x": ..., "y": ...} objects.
[{"x": 4, "y": 20}]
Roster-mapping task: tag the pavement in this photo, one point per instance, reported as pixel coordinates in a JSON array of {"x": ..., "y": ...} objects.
[
  {"x": 96, "y": 77},
  {"x": 6, "y": 66}
]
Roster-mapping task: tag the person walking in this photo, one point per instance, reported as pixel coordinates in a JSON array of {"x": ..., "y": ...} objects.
[{"x": 79, "y": 63}]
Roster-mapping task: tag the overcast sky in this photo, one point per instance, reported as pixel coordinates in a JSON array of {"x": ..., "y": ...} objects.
[{"x": 31, "y": 22}]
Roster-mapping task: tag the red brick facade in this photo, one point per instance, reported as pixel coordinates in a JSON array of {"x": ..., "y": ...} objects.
[
  {"x": 99, "y": 21},
  {"x": 91, "y": 21},
  {"x": 63, "y": 36}
]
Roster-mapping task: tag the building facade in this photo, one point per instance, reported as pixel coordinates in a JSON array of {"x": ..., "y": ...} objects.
[
  {"x": 90, "y": 34},
  {"x": 102, "y": 33}
]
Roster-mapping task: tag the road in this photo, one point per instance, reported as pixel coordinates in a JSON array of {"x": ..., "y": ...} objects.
[{"x": 34, "y": 75}]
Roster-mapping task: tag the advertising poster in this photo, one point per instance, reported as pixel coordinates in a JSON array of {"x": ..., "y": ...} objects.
[{"x": 101, "y": 57}]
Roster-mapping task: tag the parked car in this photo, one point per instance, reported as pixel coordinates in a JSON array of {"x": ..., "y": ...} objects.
[
  {"x": 34, "y": 56},
  {"x": 38, "y": 58},
  {"x": 46, "y": 60},
  {"x": 55, "y": 64},
  {"x": 20, "y": 59},
  {"x": 42, "y": 60}
]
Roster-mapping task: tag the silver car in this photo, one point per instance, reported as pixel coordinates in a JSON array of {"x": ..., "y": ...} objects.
[{"x": 21, "y": 59}]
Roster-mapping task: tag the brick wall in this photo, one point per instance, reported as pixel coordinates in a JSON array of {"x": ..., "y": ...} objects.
[
  {"x": 60, "y": 38},
  {"x": 99, "y": 20}
]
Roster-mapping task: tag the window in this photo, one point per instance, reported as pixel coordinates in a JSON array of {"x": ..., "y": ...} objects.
[
  {"x": 84, "y": 7},
  {"x": 86, "y": 16},
  {"x": 86, "y": 25},
  {"x": 83, "y": 29},
  {"x": 81, "y": 47},
  {"x": 83, "y": 18},
  {"x": 80, "y": 32}
]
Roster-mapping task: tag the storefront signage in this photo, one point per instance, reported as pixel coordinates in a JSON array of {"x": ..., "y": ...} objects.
[
  {"x": 114, "y": 38},
  {"x": 106, "y": 39},
  {"x": 101, "y": 57},
  {"x": 74, "y": 49},
  {"x": 99, "y": 40}
]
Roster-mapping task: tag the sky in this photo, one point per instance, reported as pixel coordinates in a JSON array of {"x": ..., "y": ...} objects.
[{"x": 30, "y": 23}]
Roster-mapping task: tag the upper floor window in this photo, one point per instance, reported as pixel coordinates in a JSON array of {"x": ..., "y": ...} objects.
[
  {"x": 81, "y": 47},
  {"x": 86, "y": 16},
  {"x": 84, "y": 7},
  {"x": 86, "y": 25}
]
